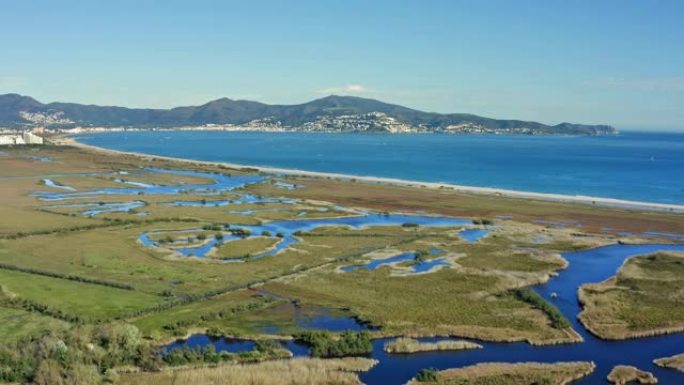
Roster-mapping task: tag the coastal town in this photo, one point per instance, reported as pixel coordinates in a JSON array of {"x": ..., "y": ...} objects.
[{"x": 330, "y": 114}]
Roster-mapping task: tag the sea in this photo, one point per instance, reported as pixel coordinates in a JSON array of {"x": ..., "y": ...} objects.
[{"x": 640, "y": 166}]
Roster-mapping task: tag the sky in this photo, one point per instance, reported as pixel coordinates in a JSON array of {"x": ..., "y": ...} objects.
[{"x": 617, "y": 62}]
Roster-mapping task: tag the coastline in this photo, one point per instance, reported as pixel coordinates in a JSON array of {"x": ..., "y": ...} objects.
[{"x": 484, "y": 191}]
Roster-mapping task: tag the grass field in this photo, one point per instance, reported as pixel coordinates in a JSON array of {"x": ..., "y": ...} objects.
[
  {"x": 246, "y": 247},
  {"x": 17, "y": 323},
  {"x": 234, "y": 313},
  {"x": 87, "y": 301}
]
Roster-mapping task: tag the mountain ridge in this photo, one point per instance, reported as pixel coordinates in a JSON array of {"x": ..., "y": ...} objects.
[{"x": 333, "y": 113}]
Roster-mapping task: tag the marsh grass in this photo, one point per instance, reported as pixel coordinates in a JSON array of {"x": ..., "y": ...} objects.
[
  {"x": 512, "y": 374},
  {"x": 16, "y": 324},
  {"x": 383, "y": 197},
  {"x": 444, "y": 302},
  {"x": 244, "y": 248},
  {"x": 410, "y": 345},
  {"x": 645, "y": 298},
  {"x": 674, "y": 362},
  {"x": 78, "y": 299},
  {"x": 623, "y": 374},
  {"x": 298, "y": 371}
]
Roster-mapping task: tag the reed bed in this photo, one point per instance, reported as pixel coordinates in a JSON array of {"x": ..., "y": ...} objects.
[
  {"x": 309, "y": 371},
  {"x": 410, "y": 345}
]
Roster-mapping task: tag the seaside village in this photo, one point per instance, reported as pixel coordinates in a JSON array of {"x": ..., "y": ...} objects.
[{"x": 12, "y": 138}]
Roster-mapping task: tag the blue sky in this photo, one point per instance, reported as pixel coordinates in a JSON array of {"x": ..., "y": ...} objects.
[{"x": 618, "y": 62}]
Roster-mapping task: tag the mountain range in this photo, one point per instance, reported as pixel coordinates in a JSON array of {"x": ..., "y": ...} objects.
[{"x": 329, "y": 114}]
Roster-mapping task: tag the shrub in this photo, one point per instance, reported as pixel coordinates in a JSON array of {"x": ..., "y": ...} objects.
[
  {"x": 427, "y": 375},
  {"x": 266, "y": 346},
  {"x": 483, "y": 221},
  {"x": 323, "y": 344},
  {"x": 557, "y": 318},
  {"x": 421, "y": 255}
]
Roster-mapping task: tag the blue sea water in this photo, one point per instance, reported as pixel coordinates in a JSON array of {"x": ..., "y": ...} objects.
[{"x": 635, "y": 166}]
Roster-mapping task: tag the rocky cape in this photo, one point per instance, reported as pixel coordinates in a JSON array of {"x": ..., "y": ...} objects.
[{"x": 328, "y": 114}]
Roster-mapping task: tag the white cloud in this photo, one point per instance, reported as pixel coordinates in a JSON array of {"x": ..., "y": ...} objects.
[
  {"x": 644, "y": 84},
  {"x": 347, "y": 89}
]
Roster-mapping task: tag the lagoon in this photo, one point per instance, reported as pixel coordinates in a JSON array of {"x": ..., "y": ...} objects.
[{"x": 633, "y": 166}]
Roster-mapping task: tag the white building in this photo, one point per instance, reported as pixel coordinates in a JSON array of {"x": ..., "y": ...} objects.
[
  {"x": 6, "y": 140},
  {"x": 31, "y": 138},
  {"x": 18, "y": 139}
]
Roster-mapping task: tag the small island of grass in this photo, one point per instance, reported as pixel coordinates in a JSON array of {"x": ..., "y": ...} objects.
[
  {"x": 560, "y": 373},
  {"x": 241, "y": 248},
  {"x": 623, "y": 374},
  {"x": 410, "y": 345},
  {"x": 643, "y": 299},
  {"x": 674, "y": 362}
]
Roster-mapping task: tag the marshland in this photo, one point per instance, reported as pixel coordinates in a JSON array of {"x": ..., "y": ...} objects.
[{"x": 154, "y": 270}]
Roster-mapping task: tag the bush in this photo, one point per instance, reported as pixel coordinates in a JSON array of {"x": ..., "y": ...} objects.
[
  {"x": 483, "y": 221},
  {"x": 421, "y": 256},
  {"x": 81, "y": 355},
  {"x": 325, "y": 345},
  {"x": 211, "y": 227},
  {"x": 557, "y": 318},
  {"x": 240, "y": 232},
  {"x": 427, "y": 375},
  {"x": 266, "y": 346}
]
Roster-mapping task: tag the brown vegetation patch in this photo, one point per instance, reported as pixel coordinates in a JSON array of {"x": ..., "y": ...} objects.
[
  {"x": 513, "y": 374},
  {"x": 674, "y": 362},
  {"x": 298, "y": 371},
  {"x": 623, "y": 374}
]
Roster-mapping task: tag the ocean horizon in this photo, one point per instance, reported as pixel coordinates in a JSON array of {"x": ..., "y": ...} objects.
[{"x": 638, "y": 166}]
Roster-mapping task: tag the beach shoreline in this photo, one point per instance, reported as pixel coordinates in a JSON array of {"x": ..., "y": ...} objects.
[{"x": 483, "y": 191}]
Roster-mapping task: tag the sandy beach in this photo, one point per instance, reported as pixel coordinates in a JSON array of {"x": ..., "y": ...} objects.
[{"x": 581, "y": 199}]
